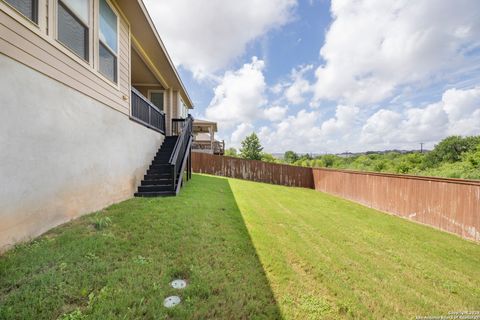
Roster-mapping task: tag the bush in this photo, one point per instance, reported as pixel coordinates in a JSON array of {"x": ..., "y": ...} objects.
[{"x": 101, "y": 223}]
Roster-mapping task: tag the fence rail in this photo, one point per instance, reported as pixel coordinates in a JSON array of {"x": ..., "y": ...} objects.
[
  {"x": 452, "y": 205},
  {"x": 146, "y": 113}
]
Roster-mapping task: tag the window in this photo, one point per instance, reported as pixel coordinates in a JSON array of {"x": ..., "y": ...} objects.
[
  {"x": 156, "y": 97},
  {"x": 184, "y": 110},
  {"x": 108, "y": 41},
  {"x": 29, "y": 8},
  {"x": 73, "y": 23}
]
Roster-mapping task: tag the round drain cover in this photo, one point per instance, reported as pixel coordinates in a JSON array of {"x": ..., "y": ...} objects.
[
  {"x": 178, "y": 284},
  {"x": 171, "y": 301}
]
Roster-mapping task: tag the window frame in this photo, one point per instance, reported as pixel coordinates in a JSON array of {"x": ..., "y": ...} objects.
[
  {"x": 183, "y": 107},
  {"x": 35, "y": 11},
  {"x": 149, "y": 96},
  {"x": 99, "y": 42},
  {"x": 89, "y": 26}
]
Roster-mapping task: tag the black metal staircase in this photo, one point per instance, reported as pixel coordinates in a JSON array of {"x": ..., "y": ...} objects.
[{"x": 171, "y": 165}]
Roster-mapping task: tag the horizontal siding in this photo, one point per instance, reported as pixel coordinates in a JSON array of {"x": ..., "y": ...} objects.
[
  {"x": 39, "y": 53},
  {"x": 124, "y": 58}
]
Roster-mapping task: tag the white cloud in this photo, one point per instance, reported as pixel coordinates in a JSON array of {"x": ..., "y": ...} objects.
[
  {"x": 240, "y": 133},
  {"x": 275, "y": 113},
  {"x": 342, "y": 123},
  {"x": 381, "y": 127},
  {"x": 291, "y": 133},
  {"x": 296, "y": 91},
  {"x": 303, "y": 132},
  {"x": 204, "y": 36},
  {"x": 458, "y": 112},
  {"x": 458, "y": 103},
  {"x": 240, "y": 96},
  {"x": 375, "y": 46},
  {"x": 463, "y": 109},
  {"x": 424, "y": 124}
]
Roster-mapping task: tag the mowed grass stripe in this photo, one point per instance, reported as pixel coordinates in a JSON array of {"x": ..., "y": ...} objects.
[{"x": 368, "y": 264}]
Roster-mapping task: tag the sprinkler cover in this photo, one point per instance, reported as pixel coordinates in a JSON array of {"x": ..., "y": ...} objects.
[
  {"x": 178, "y": 284},
  {"x": 171, "y": 301}
]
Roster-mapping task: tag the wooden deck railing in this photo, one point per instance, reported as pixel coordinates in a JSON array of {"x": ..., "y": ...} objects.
[
  {"x": 144, "y": 112},
  {"x": 217, "y": 147}
]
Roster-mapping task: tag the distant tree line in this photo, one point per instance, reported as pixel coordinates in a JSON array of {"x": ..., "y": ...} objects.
[{"x": 453, "y": 157}]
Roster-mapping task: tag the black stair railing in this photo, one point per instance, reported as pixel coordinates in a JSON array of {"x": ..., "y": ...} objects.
[
  {"x": 146, "y": 113},
  {"x": 181, "y": 152}
]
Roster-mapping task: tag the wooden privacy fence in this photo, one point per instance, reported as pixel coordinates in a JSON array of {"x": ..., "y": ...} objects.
[
  {"x": 452, "y": 205},
  {"x": 252, "y": 170}
]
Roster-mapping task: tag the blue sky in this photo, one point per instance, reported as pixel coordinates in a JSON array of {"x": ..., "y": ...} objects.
[{"x": 328, "y": 76}]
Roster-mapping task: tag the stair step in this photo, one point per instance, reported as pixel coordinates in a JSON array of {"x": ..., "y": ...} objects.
[
  {"x": 156, "y": 176},
  {"x": 155, "y": 188},
  {"x": 167, "y": 146},
  {"x": 159, "y": 171},
  {"x": 165, "y": 156},
  {"x": 159, "y": 162},
  {"x": 160, "y": 168},
  {"x": 169, "y": 143},
  {"x": 164, "y": 152},
  {"x": 154, "y": 194},
  {"x": 156, "y": 182}
]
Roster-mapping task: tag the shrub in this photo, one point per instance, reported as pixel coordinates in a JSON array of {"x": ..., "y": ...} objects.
[{"x": 101, "y": 223}]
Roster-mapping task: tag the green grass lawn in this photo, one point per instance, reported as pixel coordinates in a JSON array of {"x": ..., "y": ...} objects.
[{"x": 248, "y": 251}]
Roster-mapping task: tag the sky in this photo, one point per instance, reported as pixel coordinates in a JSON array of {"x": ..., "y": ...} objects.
[{"x": 322, "y": 76}]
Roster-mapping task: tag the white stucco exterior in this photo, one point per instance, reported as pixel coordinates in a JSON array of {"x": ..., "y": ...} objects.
[{"x": 62, "y": 154}]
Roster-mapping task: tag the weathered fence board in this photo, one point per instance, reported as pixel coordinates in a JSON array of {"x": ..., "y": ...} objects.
[{"x": 452, "y": 205}]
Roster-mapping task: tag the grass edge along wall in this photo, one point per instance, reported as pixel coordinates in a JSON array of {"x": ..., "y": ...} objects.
[{"x": 451, "y": 205}]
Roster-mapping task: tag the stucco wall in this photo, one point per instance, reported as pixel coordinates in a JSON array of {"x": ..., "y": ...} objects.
[{"x": 62, "y": 154}]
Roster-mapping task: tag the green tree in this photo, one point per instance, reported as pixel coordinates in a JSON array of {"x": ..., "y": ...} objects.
[
  {"x": 329, "y": 160},
  {"x": 450, "y": 149},
  {"x": 251, "y": 148},
  {"x": 290, "y": 157},
  {"x": 231, "y": 152},
  {"x": 267, "y": 157}
]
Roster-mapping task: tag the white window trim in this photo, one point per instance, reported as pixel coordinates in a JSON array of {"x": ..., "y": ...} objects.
[
  {"x": 97, "y": 41},
  {"x": 149, "y": 94},
  {"x": 92, "y": 64},
  {"x": 184, "y": 108},
  {"x": 63, "y": 47},
  {"x": 26, "y": 21}
]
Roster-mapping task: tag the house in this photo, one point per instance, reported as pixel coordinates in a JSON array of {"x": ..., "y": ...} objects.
[
  {"x": 88, "y": 95},
  {"x": 204, "y": 138}
]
